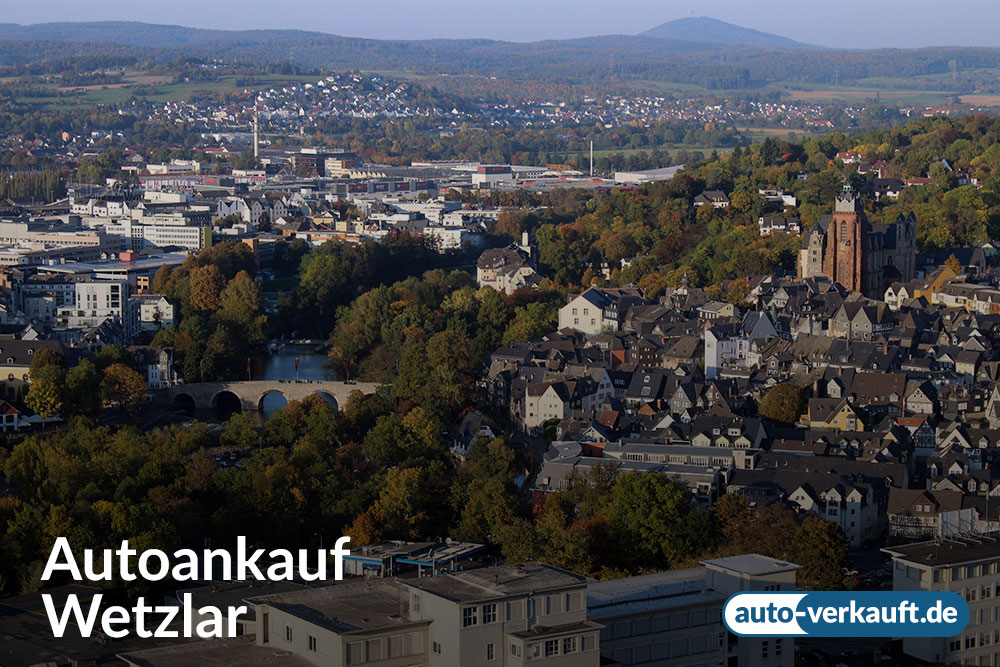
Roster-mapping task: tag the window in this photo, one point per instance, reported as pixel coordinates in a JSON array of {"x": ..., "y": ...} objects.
[
  {"x": 470, "y": 617},
  {"x": 490, "y": 652},
  {"x": 764, "y": 648},
  {"x": 569, "y": 645},
  {"x": 312, "y": 643},
  {"x": 355, "y": 653},
  {"x": 515, "y": 650},
  {"x": 437, "y": 648},
  {"x": 416, "y": 601},
  {"x": 288, "y": 633},
  {"x": 489, "y": 613},
  {"x": 777, "y": 647},
  {"x": 551, "y": 647}
]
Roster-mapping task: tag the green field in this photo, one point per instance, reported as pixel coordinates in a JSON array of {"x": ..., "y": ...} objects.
[
  {"x": 673, "y": 150},
  {"x": 165, "y": 92}
]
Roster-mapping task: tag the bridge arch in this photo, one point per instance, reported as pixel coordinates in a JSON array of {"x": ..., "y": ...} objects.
[
  {"x": 227, "y": 401},
  {"x": 184, "y": 402},
  {"x": 330, "y": 399},
  {"x": 275, "y": 399}
]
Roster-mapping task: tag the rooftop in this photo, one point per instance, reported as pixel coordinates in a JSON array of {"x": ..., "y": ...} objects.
[
  {"x": 235, "y": 652},
  {"x": 498, "y": 582},
  {"x": 349, "y": 607},
  {"x": 751, "y": 564},
  {"x": 949, "y": 552}
]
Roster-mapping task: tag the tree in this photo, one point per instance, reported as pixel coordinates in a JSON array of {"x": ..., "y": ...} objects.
[
  {"x": 821, "y": 549},
  {"x": 953, "y": 264},
  {"x": 122, "y": 386},
  {"x": 46, "y": 356},
  {"x": 112, "y": 354},
  {"x": 646, "y": 512},
  {"x": 207, "y": 283},
  {"x": 83, "y": 388},
  {"x": 161, "y": 279},
  {"x": 782, "y": 403},
  {"x": 44, "y": 398},
  {"x": 532, "y": 321},
  {"x": 241, "y": 306}
]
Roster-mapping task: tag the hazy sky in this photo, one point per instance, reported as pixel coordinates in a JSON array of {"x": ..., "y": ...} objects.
[{"x": 847, "y": 23}]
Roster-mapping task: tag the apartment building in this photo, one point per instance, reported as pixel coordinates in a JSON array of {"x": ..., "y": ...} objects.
[
  {"x": 969, "y": 566},
  {"x": 506, "y": 616},
  {"x": 674, "y": 619},
  {"x": 346, "y": 624},
  {"x": 98, "y": 301},
  {"x": 141, "y": 236}
]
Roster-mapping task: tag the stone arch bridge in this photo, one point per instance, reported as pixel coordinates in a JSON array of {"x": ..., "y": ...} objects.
[{"x": 207, "y": 395}]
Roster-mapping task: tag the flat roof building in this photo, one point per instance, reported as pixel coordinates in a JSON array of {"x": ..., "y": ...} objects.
[{"x": 969, "y": 566}]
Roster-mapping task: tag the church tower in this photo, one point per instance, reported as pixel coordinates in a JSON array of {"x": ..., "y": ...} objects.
[{"x": 844, "y": 259}]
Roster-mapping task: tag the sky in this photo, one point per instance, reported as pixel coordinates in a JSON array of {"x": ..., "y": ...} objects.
[{"x": 847, "y": 23}]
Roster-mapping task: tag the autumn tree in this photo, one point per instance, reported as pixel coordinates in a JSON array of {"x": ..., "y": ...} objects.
[
  {"x": 782, "y": 403},
  {"x": 122, "y": 386},
  {"x": 821, "y": 549},
  {"x": 207, "y": 283},
  {"x": 44, "y": 398}
]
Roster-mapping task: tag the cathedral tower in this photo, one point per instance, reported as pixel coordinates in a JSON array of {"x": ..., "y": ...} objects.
[{"x": 844, "y": 258}]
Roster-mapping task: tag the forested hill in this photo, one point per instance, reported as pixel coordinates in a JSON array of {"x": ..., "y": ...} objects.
[
  {"x": 594, "y": 60},
  {"x": 706, "y": 29}
]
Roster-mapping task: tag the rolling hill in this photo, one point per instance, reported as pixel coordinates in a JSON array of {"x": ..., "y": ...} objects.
[
  {"x": 702, "y": 52},
  {"x": 713, "y": 31}
]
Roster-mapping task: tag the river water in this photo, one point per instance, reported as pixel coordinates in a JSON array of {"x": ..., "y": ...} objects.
[{"x": 280, "y": 364}]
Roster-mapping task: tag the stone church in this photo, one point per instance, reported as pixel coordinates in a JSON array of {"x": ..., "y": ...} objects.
[{"x": 862, "y": 256}]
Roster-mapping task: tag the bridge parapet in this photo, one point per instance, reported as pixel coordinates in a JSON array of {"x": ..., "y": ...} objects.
[{"x": 205, "y": 395}]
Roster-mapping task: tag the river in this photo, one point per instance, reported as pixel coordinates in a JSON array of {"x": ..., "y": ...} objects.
[{"x": 281, "y": 365}]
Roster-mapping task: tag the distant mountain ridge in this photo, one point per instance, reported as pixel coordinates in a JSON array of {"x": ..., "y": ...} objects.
[
  {"x": 713, "y": 31},
  {"x": 701, "y": 52}
]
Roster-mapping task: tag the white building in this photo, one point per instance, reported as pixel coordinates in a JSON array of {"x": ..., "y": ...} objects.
[
  {"x": 599, "y": 309},
  {"x": 508, "y": 615},
  {"x": 456, "y": 238},
  {"x": 729, "y": 345},
  {"x": 155, "y": 312},
  {"x": 674, "y": 619},
  {"x": 96, "y": 302},
  {"x": 143, "y": 236},
  {"x": 967, "y": 566}
]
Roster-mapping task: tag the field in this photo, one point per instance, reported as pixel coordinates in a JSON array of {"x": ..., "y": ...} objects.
[
  {"x": 156, "y": 88},
  {"x": 757, "y": 134},
  {"x": 673, "y": 150}
]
